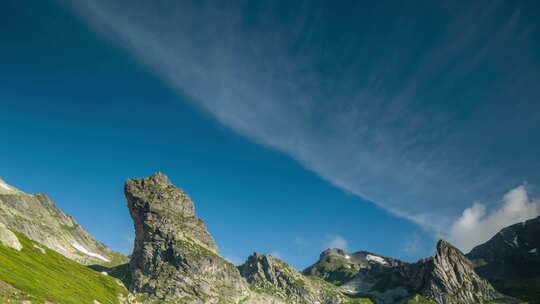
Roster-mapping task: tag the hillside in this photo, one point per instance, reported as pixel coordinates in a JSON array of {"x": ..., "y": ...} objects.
[
  {"x": 37, "y": 217},
  {"x": 32, "y": 272}
]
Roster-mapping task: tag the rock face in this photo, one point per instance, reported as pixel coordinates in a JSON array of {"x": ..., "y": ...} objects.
[
  {"x": 175, "y": 259},
  {"x": 448, "y": 278},
  {"x": 270, "y": 276},
  {"x": 514, "y": 251},
  {"x": 37, "y": 217},
  {"x": 9, "y": 239},
  {"x": 510, "y": 260}
]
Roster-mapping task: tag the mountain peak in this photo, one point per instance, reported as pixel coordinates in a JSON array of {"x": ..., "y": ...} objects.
[
  {"x": 8, "y": 189},
  {"x": 173, "y": 245},
  {"x": 38, "y": 218}
]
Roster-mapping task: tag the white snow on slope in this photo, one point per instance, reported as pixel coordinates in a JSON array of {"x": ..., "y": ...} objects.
[
  {"x": 515, "y": 241},
  {"x": 534, "y": 250},
  {"x": 5, "y": 186},
  {"x": 85, "y": 251},
  {"x": 376, "y": 259}
]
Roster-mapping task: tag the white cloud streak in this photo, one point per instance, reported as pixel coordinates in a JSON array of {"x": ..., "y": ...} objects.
[{"x": 364, "y": 127}]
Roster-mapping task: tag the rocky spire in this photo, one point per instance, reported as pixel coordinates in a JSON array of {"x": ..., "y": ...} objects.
[
  {"x": 175, "y": 258},
  {"x": 449, "y": 278}
]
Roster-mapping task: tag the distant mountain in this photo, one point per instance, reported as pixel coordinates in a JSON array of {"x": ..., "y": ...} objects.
[
  {"x": 37, "y": 217},
  {"x": 176, "y": 260},
  {"x": 510, "y": 260},
  {"x": 446, "y": 278},
  {"x": 338, "y": 267}
]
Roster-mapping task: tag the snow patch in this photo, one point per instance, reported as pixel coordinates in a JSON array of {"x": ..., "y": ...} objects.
[
  {"x": 515, "y": 241},
  {"x": 348, "y": 257},
  {"x": 376, "y": 259},
  {"x": 85, "y": 251},
  {"x": 534, "y": 250}
]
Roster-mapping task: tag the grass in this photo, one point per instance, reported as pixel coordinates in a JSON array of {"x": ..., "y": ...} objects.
[
  {"x": 53, "y": 277},
  {"x": 527, "y": 290}
]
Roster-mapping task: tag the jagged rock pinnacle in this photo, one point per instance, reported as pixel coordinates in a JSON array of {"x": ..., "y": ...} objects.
[{"x": 172, "y": 245}]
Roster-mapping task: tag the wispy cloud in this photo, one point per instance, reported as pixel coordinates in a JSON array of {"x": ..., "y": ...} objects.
[
  {"x": 336, "y": 241},
  {"x": 381, "y": 108}
]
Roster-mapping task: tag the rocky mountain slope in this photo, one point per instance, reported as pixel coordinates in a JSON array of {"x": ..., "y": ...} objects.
[
  {"x": 270, "y": 276},
  {"x": 338, "y": 267},
  {"x": 446, "y": 278},
  {"x": 175, "y": 259},
  {"x": 37, "y": 217},
  {"x": 510, "y": 260}
]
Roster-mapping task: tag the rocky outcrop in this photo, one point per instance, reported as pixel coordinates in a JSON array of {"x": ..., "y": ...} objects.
[
  {"x": 338, "y": 267},
  {"x": 175, "y": 260},
  {"x": 37, "y": 217},
  {"x": 271, "y": 276},
  {"x": 9, "y": 239},
  {"x": 448, "y": 278}
]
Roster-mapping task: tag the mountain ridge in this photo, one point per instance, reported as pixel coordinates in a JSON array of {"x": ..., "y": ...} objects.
[
  {"x": 38, "y": 217},
  {"x": 176, "y": 260}
]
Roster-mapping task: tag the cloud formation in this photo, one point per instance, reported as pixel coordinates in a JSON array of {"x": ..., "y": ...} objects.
[
  {"x": 337, "y": 241},
  {"x": 476, "y": 225},
  {"x": 351, "y": 96}
]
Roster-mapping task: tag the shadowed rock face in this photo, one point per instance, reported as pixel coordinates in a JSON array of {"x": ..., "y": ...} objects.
[
  {"x": 510, "y": 260},
  {"x": 175, "y": 259},
  {"x": 513, "y": 252}
]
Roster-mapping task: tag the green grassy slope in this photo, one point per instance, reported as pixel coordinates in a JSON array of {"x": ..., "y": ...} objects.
[{"x": 38, "y": 274}]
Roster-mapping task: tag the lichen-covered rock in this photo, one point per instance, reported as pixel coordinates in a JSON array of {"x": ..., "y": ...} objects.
[
  {"x": 175, "y": 259},
  {"x": 9, "y": 239},
  {"x": 37, "y": 217}
]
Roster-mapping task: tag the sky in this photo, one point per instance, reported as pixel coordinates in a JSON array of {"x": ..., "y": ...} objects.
[{"x": 294, "y": 125}]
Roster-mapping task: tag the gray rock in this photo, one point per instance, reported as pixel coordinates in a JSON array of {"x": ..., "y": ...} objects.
[
  {"x": 175, "y": 260},
  {"x": 37, "y": 217},
  {"x": 510, "y": 260},
  {"x": 446, "y": 278},
  {"x": 9, "y": 239},
  {"x": 271, "y": 276},
  {"x": 449, "y": 278}
]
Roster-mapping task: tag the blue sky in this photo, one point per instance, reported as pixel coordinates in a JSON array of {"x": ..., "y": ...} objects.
[{"x": 293, "y": 125}]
